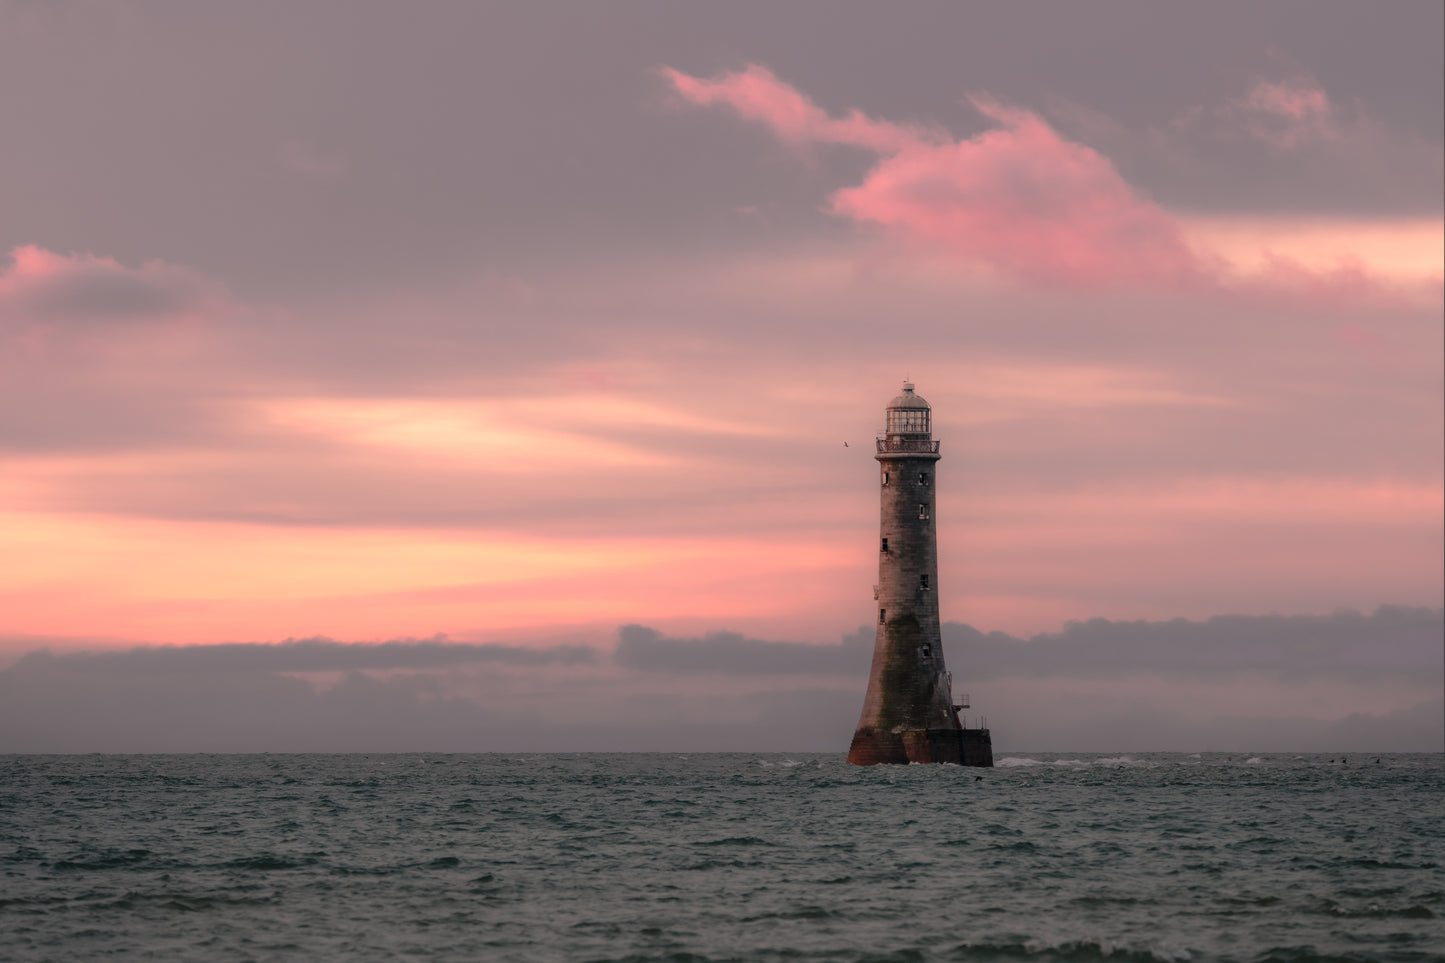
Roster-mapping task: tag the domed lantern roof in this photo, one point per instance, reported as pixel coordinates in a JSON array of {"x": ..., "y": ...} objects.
[
  {"x": 908, "y": 399},
  {"x": 909, "y": 414}
]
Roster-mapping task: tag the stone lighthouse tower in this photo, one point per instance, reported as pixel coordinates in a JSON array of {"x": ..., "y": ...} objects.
[{"x": 909, "y": 714}]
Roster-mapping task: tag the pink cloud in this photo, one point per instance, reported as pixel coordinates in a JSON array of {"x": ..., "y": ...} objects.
[
  {"x": 1019, "y": 197},
  {"x": 1024, "y": 201},
  {"x": 1346, "y": 281},
  {"x": 758, "y": 95},
  {"x": 1287, "y": 114}
]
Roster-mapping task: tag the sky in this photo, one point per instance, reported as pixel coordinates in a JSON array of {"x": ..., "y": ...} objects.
[{"x": 481, "y": 376}]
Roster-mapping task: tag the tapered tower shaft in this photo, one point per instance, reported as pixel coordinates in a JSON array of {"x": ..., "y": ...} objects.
[{"x": 908, "y": 712}]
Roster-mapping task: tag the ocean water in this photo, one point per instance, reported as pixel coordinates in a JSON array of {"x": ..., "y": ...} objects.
[{"x": 721, "y": 857}]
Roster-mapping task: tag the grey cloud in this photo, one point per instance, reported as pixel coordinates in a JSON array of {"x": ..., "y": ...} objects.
[
  {"x": 65, "y": 705},
  {"x": 1392, "y": 639},
  {"x": 104, "y": 295},
  {"x": 639, "y": 647},
  {"x": 1229, "y": 155},
  {"x": 1155, "y": 728},
  {"x": 300, "y": 655},
  {"x": 95, "y": 290},
  {"x": 503, "y": 133},
  {"x": 1150, "y": 686}
]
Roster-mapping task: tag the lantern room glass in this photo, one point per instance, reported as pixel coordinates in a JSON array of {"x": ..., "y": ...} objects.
[{"x": 908, "y": 421}]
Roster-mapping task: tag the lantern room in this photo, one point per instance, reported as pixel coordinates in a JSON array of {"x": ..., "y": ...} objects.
[{"x": 908, "y": 414}]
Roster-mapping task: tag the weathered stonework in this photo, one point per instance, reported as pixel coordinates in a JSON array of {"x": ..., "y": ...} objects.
[{"x": 908, "y": 713}]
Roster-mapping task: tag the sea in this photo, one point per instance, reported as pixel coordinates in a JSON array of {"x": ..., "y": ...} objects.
[{"x": 711, "y": 857}]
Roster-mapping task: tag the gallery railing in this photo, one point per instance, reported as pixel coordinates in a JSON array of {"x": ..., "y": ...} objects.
[{"x": 908, "y": 444}]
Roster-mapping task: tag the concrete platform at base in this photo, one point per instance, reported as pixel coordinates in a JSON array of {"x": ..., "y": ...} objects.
[{"x": 962, "y": 747}]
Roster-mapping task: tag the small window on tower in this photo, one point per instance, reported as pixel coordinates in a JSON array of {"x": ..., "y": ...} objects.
[
  {"x": 923, "y": 582},
  {"x": 885, "y": 546},
  {"x": 882, "y": 616},
  {"x": 922, "y": 511},
  {"x": 923, "y": 478},
  {"x": 927, "y": 651},
  {"x": 885, "y": 479}
]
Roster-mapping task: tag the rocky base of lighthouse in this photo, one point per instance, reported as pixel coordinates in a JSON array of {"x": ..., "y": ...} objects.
[{"x": 962, "y": 747}]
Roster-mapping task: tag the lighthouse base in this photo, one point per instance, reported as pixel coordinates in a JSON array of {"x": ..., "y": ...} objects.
[{"x": 962, "y": 747}]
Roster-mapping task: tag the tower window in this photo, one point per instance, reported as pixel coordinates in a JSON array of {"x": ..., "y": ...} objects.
[
  {"x": 885, "y": 546},
  {"x": 923, "y": 582},
  {"x": 923, "y": 511},
  {"x": 882, "y": 616},
  {"x": 927, "y": 651},
  {"x": 923, "y": 478},
  {"x": 885, "y": 479}
]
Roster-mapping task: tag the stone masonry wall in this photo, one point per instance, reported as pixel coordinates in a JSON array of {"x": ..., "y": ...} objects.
[{"x": 907, "y": 688}]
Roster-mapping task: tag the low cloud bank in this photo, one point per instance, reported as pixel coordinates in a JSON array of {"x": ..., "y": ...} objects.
[
  {"x": 59, "y": 705},
  {"x": 307, "y": 655},
  {"x": 1394, "y": 638},
  {"x": 639, "y": 647},
  {"x": 1344, "y": 682}
]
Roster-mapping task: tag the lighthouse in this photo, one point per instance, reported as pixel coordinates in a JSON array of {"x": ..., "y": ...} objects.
[{"x": 909, "y": 713}]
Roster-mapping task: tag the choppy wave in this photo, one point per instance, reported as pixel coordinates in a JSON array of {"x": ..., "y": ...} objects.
[
  {"x": 1013, "y": 762},
  {"x": 1048, "y": 857}
]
